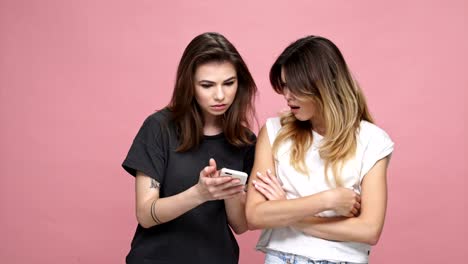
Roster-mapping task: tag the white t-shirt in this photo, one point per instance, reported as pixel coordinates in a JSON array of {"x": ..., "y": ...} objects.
[{"x": 373, "y": 144}]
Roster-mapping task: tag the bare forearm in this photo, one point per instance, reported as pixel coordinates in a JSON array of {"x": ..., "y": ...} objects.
[
  {"x": 235, "y": 210},
  {"x": 161, "y": 210},
  {"x": 353, "y": 229},
  {"x": 280, "y": 213}
]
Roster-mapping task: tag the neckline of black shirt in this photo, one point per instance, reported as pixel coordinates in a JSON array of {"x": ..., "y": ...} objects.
[{"x": 217, "y": 136}]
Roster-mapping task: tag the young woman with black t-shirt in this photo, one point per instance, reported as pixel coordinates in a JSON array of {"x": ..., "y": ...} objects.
[{"x": 185, "y": 210}]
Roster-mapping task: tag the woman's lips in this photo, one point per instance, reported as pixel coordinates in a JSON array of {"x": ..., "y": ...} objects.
[
  {"x": 294, "y": 108},
  {"x": 219, "y": 107}
]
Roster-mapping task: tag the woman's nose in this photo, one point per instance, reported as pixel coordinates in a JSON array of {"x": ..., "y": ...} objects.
[
  {"x": 219, "y": 93},
  {"x": 287, "y": 94}
]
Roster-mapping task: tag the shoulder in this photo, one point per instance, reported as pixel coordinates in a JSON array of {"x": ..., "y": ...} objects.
[
  {"x": 371, "y": 134},
  {"x": 159, "y": 117},
  {"x": 369, "y": 130},
  {"x": 272, "y": 127},
  {"x": 158, "y": 120},
  {"x": 157, "y": 124},
  {"x": 273, "y": 122}
]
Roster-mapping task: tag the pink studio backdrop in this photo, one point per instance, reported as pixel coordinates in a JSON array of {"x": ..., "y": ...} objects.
[{"x": 77, "y": 78}]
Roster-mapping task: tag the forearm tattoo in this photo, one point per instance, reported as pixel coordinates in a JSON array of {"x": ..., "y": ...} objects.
[{"x": 154, "y": 184}]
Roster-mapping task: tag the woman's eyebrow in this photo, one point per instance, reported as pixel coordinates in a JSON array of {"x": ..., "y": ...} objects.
[{"x": 231, "y": 79}]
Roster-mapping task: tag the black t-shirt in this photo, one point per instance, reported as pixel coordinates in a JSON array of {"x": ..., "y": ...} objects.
[{"x": 201, "y": 235}]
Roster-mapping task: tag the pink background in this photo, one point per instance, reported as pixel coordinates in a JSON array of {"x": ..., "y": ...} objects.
[{"x": 77, "y": 78}]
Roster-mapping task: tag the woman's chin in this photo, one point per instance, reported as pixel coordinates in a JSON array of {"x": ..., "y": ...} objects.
[{"x": 300, "y": 117}]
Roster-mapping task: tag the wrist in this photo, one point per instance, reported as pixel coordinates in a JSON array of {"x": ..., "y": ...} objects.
[
  {"x": 196, "y": 194},
  {"x": 329, "y": 199}
]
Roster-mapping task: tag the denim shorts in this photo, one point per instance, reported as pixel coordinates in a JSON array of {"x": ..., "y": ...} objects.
[{"x": 277, "y": 257}]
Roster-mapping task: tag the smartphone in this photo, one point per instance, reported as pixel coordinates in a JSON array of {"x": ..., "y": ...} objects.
[{"x": 242, "y": 176}]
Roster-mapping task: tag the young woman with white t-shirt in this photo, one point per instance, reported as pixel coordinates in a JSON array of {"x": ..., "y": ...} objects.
[{"x": 324, "y": 199}]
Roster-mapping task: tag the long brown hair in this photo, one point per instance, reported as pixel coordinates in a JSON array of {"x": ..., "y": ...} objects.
[
  {"x": 237, "y": 120},
  {"x": 315, "y": 69}
]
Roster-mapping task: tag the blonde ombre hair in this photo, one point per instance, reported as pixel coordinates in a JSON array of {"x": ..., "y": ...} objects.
[{"x": 314, "y": 69}]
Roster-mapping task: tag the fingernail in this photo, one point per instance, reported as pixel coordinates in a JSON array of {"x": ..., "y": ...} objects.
[
  {"x": 269, "y": 171},
  {"x": 259, "y": 174},
  {"x": 254, "y": 181}
]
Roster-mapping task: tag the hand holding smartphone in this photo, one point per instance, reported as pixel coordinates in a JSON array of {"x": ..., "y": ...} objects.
[{"x": 242, "y": 176}]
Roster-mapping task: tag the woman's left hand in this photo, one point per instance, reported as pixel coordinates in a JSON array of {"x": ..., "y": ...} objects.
[{"x": 269, "y": 186}]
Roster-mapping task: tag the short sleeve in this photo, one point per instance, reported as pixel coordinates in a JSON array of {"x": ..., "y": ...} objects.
[
  {"x": 148, "y": 151},
  {"x": 378, "y": 147},
  {"x": 273, "y": 126}
]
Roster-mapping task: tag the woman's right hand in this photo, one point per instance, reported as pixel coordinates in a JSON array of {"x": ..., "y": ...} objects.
[
  {"x": 345, "y": 202},
  {"x": 211, "y": 186}
]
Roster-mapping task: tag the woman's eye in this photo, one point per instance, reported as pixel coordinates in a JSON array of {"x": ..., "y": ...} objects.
[
  {"x": 229, "y": 83},
  {"x": 206, "y": 85}
]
